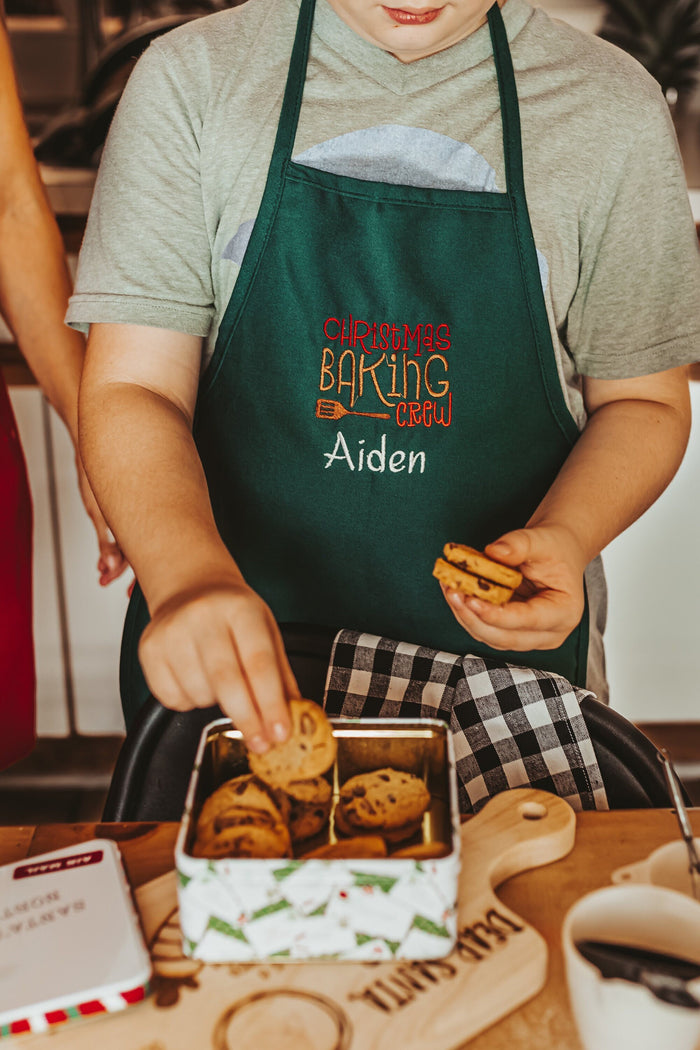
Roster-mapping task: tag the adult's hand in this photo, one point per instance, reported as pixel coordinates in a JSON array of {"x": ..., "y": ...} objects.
[
  {"x": 219, "y": 643},
  {"x": 548, "y": 604},
  {"x": 111, "y": 562}
]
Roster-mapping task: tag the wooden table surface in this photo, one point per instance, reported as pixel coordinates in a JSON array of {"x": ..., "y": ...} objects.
[{"x": 604, "y": 842}]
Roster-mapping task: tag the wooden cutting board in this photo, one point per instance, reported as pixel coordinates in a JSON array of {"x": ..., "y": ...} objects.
[{"x": 499, "y": 963}]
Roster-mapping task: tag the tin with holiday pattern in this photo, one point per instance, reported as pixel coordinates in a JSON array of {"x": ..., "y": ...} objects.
[{"x": 295, "y": 909}]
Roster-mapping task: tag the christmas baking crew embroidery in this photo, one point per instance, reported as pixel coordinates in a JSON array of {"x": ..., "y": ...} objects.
[{"x": 403, "y": 367}]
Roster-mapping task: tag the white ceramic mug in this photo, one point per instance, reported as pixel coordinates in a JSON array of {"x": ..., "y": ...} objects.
[{"x": 615, "y": 1014}]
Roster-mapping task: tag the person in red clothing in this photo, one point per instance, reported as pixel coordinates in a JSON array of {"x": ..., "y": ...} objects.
[{"x": 34, "y": 289}]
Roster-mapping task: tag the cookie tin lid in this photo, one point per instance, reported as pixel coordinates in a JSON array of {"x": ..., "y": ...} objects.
[{"x": 70, "y": 940}]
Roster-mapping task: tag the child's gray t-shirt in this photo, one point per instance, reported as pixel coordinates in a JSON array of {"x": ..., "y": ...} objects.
[{"x": 184, "y": 169}]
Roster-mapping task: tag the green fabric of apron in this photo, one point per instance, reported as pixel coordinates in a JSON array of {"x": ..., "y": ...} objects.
[{"x": 423, "y": 307}]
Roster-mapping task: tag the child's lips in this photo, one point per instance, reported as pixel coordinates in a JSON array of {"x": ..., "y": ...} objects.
[{"x": 407, "y": 17}]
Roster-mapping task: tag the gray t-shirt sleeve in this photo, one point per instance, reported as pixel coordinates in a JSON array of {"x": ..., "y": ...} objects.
[
  {"x": 636, "y": 309},
  {"x": 146, "y": 256}
]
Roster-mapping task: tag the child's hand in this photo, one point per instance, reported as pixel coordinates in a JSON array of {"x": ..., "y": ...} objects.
[
  {"x": 219, "y": 643},
  {"x": 546, "y": 607}
]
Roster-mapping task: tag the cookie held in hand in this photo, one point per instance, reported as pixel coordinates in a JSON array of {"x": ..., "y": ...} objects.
[
  {"x": 471, "y": 572},
  {"x": 309, "y": 750}
]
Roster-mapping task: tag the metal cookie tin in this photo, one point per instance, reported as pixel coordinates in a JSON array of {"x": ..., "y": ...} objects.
[{"x": 242, "y": 910}]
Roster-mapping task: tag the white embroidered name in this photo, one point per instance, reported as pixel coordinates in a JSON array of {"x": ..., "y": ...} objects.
[{"x": 374, "y": 459}]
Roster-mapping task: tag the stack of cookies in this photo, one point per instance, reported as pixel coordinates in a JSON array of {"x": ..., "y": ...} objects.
[
  {"x": 243, "y": 818},
  {"x": 375, "y": 811},
  {"x": 286, "y": 800}
]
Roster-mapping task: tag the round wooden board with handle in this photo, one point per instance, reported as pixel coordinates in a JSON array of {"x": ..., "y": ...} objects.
[{"x": 499, "y": 963}]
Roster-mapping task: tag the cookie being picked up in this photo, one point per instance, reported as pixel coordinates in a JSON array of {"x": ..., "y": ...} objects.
[
  {"x": 469, "y": 571},
  {"x": 308, "y": 752}
]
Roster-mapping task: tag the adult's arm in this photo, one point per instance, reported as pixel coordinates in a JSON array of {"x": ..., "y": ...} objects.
[
  {"x": 628, "y": 452},
  {"x": 211, "y": 638},
  {"x": 35, "y": 284}
]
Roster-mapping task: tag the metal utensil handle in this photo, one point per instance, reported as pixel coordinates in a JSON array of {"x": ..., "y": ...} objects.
[
  {"x": 683, "y": 821},
  {"x": 674, "y": 788}
]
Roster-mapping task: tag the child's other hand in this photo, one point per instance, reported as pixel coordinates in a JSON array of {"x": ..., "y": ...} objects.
[
  {"x": 218, "y": 642},
  {"x": 549, "y": 603}
]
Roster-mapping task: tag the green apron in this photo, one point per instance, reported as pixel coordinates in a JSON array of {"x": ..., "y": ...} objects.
[{"x": 384, "y": 380}]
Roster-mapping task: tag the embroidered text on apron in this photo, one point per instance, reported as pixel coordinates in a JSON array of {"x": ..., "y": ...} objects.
[{"x": 384, "y": 381}]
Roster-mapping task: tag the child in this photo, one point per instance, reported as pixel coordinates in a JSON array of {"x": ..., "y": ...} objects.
[{"x": 325, "y": 340}]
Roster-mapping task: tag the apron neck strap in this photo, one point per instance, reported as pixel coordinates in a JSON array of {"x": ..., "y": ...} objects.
[
  {"x": 507, "y": 91},
  {"x": 510, "y": 109},
  {"x": 291, "y": 104}
]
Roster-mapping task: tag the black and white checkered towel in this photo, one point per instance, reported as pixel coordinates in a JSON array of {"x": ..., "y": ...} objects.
[{"x": 511, "y": 726}]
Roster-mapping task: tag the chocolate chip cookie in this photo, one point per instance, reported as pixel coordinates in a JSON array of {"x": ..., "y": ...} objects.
[
  {"x": 245, "y": 793},
  {"x": 310, "y": 806},
  {"x": 246, "y": 840},
  {"x": 390, "y": 835},
  {"x": 467, "y": 570},
  {"x": 308, "y": 752},
  {"x": 383, "y": 800},
  {"x": 363, "y": 847},
  {"x": 423, "y": 851}
]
